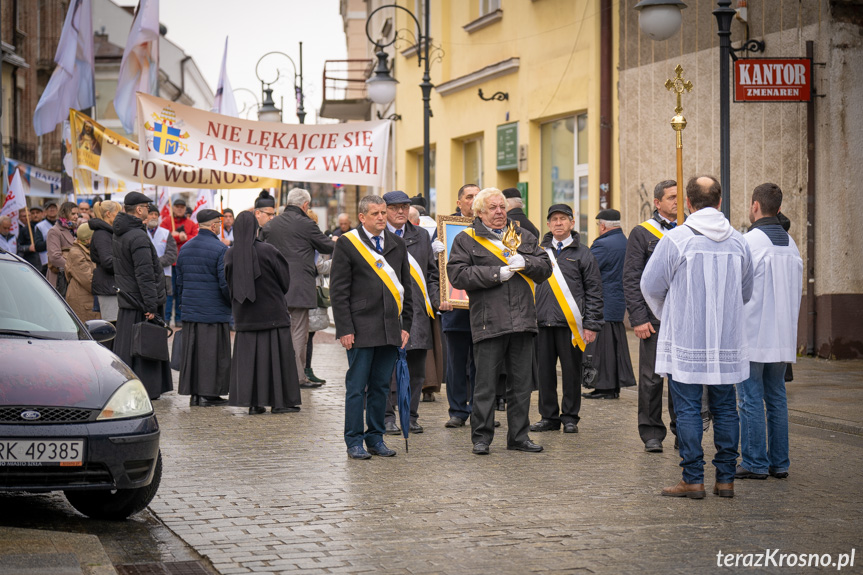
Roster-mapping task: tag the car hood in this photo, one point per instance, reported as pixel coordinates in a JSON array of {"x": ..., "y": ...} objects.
[{"x": 67, "y": 373}]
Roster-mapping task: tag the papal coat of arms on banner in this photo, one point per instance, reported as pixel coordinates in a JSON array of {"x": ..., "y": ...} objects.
[{"x": 166, "y": 136}]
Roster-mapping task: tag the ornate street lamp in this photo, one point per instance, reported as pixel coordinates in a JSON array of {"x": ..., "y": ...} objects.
[
  {"x": 381, "y": 85},
  {"x": 660, "y": 19},
  {"x": 268, "y": 112}
]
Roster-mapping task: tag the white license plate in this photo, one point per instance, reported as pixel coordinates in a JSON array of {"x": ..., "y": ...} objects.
[{"x": 24, "y": 452}]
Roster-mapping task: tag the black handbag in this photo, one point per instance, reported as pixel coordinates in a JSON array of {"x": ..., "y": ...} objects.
[
  {"x": 62, "y": 283},
  {"x": 150, "y": 340},
  {"x": 323, "y": 294}
]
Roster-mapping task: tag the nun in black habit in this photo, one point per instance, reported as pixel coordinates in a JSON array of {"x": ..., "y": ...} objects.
[{"x": 263, "y": 370}]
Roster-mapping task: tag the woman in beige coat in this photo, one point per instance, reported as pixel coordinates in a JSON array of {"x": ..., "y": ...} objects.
[
  {"x": 79, "y": 274},
  {"x": 60, "y": 237}
]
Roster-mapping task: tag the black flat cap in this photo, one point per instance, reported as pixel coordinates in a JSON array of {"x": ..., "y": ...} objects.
[
  {"x": 135, "y": 198},
  {"x": 559, "y": 209},
  {"x": 511, "y": 193},
  {"x": 179, "y": 202},
  {"x": 208, "y": 216},
  {"x": 396, "y": 197},
  {"x": 608, "y": 215},
  {"x": 152, "y": 209}
]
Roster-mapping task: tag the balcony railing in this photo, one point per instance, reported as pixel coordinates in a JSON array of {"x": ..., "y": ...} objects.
[
  {"x": 20, "y": 151},
  {"x": 344, "y": 84}
]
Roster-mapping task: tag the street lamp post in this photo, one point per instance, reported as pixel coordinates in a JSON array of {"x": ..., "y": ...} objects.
[
  {"x": 661, "y": 19},
  {"x": 268, "y": 112},
  {"x": 381, "y": 85}
]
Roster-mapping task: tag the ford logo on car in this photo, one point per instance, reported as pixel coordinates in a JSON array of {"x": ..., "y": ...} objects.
[{"x": 30, "y": 415}]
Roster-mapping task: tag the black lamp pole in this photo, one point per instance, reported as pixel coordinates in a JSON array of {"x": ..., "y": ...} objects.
[
  {"x": 422, "y": 51},
  {"x": 724, "y": 14},
  {"x": 267, "y": 95}
]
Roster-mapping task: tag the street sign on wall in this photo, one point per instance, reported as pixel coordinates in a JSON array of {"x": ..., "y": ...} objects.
[
  {"x": 507, "y": 146},
  {"x": 772, "y": 80}
]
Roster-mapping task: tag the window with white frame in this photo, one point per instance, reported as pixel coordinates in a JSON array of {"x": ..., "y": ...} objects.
[
  {"x": 488, "y": 6},
  {"x": 564, "y": 154},
  {"x": 473, "y": 162}
]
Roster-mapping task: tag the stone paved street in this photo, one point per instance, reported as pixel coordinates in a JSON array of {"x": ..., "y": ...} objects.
[{"x": 277, "y": 494}]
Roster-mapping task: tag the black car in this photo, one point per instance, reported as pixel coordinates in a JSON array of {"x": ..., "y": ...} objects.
[{"x": 73, "y": 416}]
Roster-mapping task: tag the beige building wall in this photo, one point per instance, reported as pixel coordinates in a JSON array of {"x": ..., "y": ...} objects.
[{"x": 768, "y": 141}]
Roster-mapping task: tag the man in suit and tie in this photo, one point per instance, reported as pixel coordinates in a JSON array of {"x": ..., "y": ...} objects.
[
  {"x": 371, "y": 294},
  {"x": 426, "y": 299}
]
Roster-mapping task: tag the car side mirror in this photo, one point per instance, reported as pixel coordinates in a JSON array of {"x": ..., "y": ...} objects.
[{"x": 101, "y": 330}]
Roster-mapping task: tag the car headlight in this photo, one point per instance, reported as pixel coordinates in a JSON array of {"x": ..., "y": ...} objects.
[{"x": 130, "y": 400}]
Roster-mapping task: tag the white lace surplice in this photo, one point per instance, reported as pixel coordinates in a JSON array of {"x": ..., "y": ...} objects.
[{"x": 697, "y": 287}]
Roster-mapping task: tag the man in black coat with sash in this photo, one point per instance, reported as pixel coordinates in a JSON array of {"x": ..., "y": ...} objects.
[
  {"x": 500, "y": 286},
  {"x": 371, "y": 295},
  {"x": 577, "y": 300},
  {"x": 140, "y": 281},
  {"x": 425, "y": 300}
]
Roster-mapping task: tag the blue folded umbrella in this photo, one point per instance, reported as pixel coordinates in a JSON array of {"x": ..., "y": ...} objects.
[{"x": 403, "y": 380}]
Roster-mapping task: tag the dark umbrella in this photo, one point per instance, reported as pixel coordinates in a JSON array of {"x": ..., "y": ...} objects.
[{"x": 403, "y": 379}]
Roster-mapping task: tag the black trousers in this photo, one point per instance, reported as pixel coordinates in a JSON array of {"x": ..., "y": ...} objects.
[
  {"x": 417, "y": 371},
  {"x": 460, "y": 373},
  {"x": 650, "y": 425},
  {"x": 555, "y": 343},
  {"x": 514, "y": 353}
]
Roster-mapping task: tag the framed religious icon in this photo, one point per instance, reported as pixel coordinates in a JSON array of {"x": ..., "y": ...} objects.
[{"x": 448, "y": 227}]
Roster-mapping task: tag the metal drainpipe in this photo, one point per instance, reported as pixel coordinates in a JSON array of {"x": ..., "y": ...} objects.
[
  {"x": 605, "y": 120},
  {"x": 182, "y": 78},
  {"x": 810, "y": 213}
]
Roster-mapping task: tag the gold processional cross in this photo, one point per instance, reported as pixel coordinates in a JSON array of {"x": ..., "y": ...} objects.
[{"x": 678, "y": 85}]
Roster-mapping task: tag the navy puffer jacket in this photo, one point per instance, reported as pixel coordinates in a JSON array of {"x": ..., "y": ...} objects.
[
  {"x": 609, "y": 250},
  {"x": 201, "y": 285}
]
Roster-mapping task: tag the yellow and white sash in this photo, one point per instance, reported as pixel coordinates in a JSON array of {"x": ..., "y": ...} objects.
[
  {"x": 380, "y": 266},
  {"x": 497, "y": 248},
  {"x": 564, "y": 298},
  {"x": 419, "y": 279},
  {"x": 653, "y": 227}
]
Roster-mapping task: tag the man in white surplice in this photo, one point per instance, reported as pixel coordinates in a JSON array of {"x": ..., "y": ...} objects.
[
  {"x": 696, "y": 282},
  {"x": 771, "y": 330}
]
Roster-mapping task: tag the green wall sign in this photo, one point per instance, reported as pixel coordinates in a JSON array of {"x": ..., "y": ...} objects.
[{"x": 507, "y": 146}]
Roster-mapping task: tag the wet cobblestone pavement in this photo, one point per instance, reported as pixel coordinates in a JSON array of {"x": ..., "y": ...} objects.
[{"x": 277, "y": 494}]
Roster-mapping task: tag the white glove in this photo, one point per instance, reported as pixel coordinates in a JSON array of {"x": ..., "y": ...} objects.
[
  {"x": 505, "y": 273},
  {"x": 438, "y": 247},
  {"x": 516, "y": 261}
]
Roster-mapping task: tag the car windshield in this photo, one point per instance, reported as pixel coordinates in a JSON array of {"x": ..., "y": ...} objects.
[{"x": 29, "y": 307}]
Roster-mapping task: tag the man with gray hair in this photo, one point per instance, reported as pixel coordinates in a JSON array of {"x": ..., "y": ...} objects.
[
  {"x": 611, "y": 350},
  {"x": 297, "y": 237},
  {"x": 344, "y": 225}
]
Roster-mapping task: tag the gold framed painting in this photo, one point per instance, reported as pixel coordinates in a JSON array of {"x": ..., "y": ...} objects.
[{"x": 448, "y": 227}]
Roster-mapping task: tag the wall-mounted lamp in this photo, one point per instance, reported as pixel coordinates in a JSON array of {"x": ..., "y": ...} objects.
[{"x": 499, "y": 96}]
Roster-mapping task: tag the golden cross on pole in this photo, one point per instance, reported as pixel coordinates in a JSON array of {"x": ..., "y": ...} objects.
[{"x": 678, "y": 85}]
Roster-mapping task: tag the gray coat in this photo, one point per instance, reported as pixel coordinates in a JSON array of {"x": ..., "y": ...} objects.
[
  {"x": 418, "y": 243},
  {"x": 497, "y": 308},
  {"x": 297, "y": 237}
]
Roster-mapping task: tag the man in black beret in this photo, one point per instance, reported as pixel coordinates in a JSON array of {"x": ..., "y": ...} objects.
[
  {"x": 202, "y": 292},
  {"x": 611, "y": 350},
  {"x": 141, "y": 290},
  {"x": 515, "y": 211}
]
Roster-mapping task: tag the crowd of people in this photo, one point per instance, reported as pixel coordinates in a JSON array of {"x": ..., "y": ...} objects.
[{"x": 715, "y": 312}]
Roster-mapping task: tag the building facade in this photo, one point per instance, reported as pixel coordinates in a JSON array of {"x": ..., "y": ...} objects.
[{"x": 770, "y": 142}]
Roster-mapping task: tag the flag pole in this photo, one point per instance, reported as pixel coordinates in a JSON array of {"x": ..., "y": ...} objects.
[
  {"x": 678, "y": 85},
  {"x": 221, "y": 211}
]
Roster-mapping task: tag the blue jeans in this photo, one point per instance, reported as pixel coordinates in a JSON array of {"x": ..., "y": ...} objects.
[
  {"x": 726, "y": 429},
  {"x": 763, "y": 447},
  {"x": 169, "y": 304},
  {"x": 367, "y": 384}
]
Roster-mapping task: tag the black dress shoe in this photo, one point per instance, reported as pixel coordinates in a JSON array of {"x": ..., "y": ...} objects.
[
  {"x": 357, "y": 452},
  {"x": 570, "y": 427},
  {"x": 205, "y": 401},
  {"x": 601, "y": 394},
  {"x": 480, "y": 448},
  {"x": 289, "y": 409},
  {"x": 526, "y": 445},
  {"x": 743, "y": 473},
  {"x": 257, "y": 410},
  {"x": 193, "y": 401},
  {"x": 497, "y": 424},
  {"x": 428, "y": 396},
  {"x": 415, "y": 427},
  {"x": 501, "y": 404},
  {"x": 381, "y": 450},
  {"x": 310, "y": 385},
  {"x": 454, "y": 422},
  {"x": 390, "y": 428},
  {"x": 653, "y": 446},
  {"x": 545, "y": 425}
]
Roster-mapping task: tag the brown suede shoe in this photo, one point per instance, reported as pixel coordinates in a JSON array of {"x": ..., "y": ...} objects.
[
  {"x": 684, "y": 489},
  {"x": 724, "y": 489}
]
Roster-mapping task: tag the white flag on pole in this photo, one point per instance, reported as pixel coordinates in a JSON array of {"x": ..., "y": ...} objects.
[
  {"x": 224, "y": 102},
  {"x": 204, "y": 202},
  {"x": 139, "y": 70},
  {"x": 164, "y": 203},
  {"x": 71, "y": 84},
  {"x": 15, "y": 201}
]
